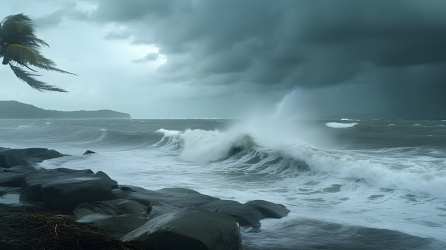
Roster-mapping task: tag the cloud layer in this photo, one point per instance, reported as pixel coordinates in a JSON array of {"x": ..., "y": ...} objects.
[{"x": 384, "y": 57}]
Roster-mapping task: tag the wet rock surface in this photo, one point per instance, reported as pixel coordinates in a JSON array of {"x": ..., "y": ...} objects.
[
  {"x": 117, "y": 217},
  {"x": 89, "y": 152},
  {"x": 188, "y": 229},
  {"x": 14, "y": 157},
  {"x": 63, "y": 189},
  {"x": 248, "y": 214},
  {"x": 169, "y": 218}
]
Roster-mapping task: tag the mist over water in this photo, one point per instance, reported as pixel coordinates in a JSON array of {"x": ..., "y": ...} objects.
[{"x": 350, "y": 184}]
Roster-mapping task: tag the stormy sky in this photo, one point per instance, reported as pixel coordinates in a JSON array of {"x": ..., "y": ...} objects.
[{"x": 226, "y": 58}]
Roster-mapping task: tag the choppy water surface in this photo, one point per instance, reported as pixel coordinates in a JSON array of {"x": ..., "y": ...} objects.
[{"x": 350, "y": 184}]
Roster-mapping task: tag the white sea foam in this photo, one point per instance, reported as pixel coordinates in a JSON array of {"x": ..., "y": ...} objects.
[
  {"x": 24, "y": 126},
  {"x": 207, "y": 146},
  {"x": 340, "y": 125},
  {"x": 168, "y": 133}
]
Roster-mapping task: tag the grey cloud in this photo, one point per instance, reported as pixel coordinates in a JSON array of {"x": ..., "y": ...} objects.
[
  {"x": 323, "y": 43},
  {"x": 117, "y": 10},
  {"x": 395, "y": 48},
  {"x": 150, "y": 57},
  {"x": 67, "y": 11},
  {"x": 119, "y": 33}
]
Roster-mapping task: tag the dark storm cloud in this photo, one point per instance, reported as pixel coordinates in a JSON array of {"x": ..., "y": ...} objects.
[
  {"x": 398, "y": 45},
  {"x": 322, "y": 42}
]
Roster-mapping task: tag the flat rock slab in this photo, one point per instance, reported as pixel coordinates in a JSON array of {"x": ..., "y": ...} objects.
[
  {"x": 188, "y": 229},
  {"x": 171, "y": 199},
  {"x": 14, "y": 157}
]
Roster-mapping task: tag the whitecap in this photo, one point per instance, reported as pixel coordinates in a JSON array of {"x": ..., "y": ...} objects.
[
  {"x": 168, "y": 133},
  {"x": 340, "y": 125}
]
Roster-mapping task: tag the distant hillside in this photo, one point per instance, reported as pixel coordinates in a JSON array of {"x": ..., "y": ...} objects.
[{"x": 18, "y": 110}]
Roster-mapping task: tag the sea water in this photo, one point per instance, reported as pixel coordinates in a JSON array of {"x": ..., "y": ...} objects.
[{"x": 350, "y": 184}]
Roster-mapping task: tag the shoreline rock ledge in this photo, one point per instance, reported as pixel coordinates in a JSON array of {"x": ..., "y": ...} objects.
[{"x": 169, "y": 218}]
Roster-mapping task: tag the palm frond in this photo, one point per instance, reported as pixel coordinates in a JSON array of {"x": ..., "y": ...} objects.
[
  {"x": 21, "y": 54},
  {"x": 31, "y": 81},
  {"x": 19, "y": 46},
  {"x": 19, "y": 29},
  {"x": 51, "y": 68}
]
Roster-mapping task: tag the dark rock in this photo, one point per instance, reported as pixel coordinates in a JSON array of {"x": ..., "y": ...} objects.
[
  {"x": 269, "y": 209},
  {"x": 188, "y": 229},
  {"x": 89, "y": 152},
  {"x": 66, "y": 193},
  {"x": 8, "y": 160},
  {"x": 107, "y": 179},
  {"x": 63, "y": 189},
  {"x": 21, "y": 169},
  {"x": 244, "y": 215},
  {"x": 110, "y": 207},
  {"x": 171, "y": 199},
  {"x": 177, "y": 197},
  {"x": 115, "y": 217},
  {"x": 75, "y": 172},
  {"x": 32, "y": 185},
  {"x": 11, "y": 179},
  {"x": 14, "y": 157},
  {"x": 127, "y": 189}
]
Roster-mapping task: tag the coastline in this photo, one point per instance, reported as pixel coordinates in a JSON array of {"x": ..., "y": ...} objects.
[{"x": 170, "y": 218}]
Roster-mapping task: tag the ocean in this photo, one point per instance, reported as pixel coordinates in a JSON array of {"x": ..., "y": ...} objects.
[{"x": 350, "y": 184}]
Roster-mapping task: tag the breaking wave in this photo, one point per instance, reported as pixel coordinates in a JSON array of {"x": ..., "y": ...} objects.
[
  {"x": 397, "y": 168},
  {"x": 340, "y": 125}
]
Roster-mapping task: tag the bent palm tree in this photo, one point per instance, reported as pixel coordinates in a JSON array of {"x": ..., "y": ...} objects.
[{"x": 19, "y": 48}]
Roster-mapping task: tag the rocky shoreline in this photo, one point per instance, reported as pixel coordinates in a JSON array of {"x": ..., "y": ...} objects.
[{"x": 169, "y": 218}]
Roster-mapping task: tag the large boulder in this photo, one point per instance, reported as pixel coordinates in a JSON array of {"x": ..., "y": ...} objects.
[
  {"x": 106, "y": 179},
  {"x": 13, "y": 157},
  {"x": 66, "y": 193},
  {"x": 188, "y": 229},
  {"x": 14, "y": 176},
  {"x": 31, "y": 188},
  {"x": 12, "y": 179},
  {"x": 63, "y": 189},
  {"x": 268, "y": 209}
]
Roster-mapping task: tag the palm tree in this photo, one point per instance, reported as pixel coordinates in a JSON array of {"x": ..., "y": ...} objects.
[{"x": 19, "y": 48}]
